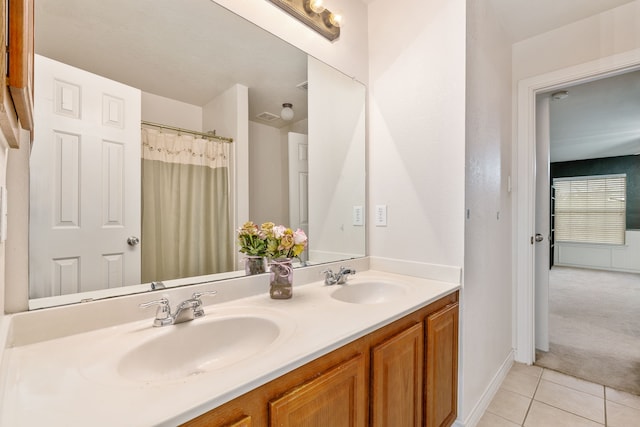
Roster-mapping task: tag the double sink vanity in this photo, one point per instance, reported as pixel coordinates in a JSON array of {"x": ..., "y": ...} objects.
[{"x": 378, "y": 347}]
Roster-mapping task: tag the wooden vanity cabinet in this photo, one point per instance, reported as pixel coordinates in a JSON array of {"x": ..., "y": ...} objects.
[
  {"x": 16, "y": 62},
  {"x": 397, "y": 378},
  {"x": 403, "y": 374},
  {"x": 441, "y": 393}
]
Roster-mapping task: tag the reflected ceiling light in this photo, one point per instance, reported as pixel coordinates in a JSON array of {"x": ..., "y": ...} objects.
[
  {"x": 560, "y": 95},
  {"x": 287, "y": 111},
  {"x": 313, "y": 14}
]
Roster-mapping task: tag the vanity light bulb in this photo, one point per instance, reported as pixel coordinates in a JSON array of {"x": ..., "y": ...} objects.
[
  {"x": 316, "y": 6},
  {"x": 335, "y": 19}
]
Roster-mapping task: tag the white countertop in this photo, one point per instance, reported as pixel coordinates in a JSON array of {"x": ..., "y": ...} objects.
[{"x": 72, "y": 381}]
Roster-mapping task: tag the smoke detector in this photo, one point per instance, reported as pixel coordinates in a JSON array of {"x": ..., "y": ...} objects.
[{"x": 560, "y": 95}]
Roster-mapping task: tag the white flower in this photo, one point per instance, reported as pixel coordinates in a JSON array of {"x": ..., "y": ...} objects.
[{"x": 278, "y": 231}]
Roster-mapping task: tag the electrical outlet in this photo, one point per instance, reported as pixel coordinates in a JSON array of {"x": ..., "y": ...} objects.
[
  {"x": 381, "y": 215},
  {"x": 358, "y": 215}
]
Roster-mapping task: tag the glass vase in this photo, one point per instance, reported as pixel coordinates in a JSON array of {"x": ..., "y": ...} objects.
[
  {"x": 254, "y": 265},
  {"x": 281, "y": 278}
]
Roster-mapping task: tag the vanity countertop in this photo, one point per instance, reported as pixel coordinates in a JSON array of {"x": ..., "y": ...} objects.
[{"x": 72, "y": 381}]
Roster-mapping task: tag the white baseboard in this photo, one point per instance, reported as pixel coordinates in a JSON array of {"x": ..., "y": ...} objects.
[{"x": 481, "y": 406}]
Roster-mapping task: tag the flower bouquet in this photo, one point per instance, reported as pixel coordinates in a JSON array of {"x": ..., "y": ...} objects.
[
  {"x": 278, "y": 243},
  {"x": 253, "y": 243}
]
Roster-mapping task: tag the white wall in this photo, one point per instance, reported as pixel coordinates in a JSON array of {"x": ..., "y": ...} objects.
[
  {"x": 417, "y": 129},
  {"x": 486, "y": 315},
  {"x": 337, "y": 178},
  {"x": 4, "y": 154},
  {"x": 301, "y": 126},
  {"x": 14, "y": 255},
  {"x": 611, "y": 32},
  {"x": 268, "y": 175},
  {"x": 166, "y": 111},
  {"x": 228, "y": 115},
  {"x": 605, "y": 257}
]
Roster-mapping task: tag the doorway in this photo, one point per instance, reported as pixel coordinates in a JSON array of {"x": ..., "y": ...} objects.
[
  {"x": 586, "y": 146},
  {"x": 525, "y": 306}
]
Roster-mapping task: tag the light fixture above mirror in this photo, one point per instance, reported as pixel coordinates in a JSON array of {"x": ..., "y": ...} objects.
[{"x": 313, "y": 14}]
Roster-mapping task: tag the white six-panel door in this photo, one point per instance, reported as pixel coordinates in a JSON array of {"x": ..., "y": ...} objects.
[
  {"x": 298, "y": 181},
  {"x": 85, "y": 182}
]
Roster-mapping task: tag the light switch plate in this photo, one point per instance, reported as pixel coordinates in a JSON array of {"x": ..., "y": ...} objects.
[
  {"x": 358, "y": 215},
  {"x": 381, "y": 216}
]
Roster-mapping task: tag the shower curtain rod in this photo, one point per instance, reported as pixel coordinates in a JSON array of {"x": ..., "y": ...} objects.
[{"x": 210, "y": 134}]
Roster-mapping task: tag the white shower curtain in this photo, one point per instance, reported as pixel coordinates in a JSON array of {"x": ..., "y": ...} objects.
[{"x": 185, "y": 206}]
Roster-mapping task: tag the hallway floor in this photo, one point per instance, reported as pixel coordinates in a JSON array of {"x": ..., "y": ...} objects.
[
  {"x": 532, "y": 396},
  {"x": 594, "y": 327}
]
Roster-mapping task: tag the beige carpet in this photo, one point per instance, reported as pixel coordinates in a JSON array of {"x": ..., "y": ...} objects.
[{"x": 594, "y": 327}]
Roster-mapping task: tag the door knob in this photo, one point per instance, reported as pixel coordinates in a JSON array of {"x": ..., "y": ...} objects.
[
  {"x": 133, "y": 241},
  {"x": 537, "y": 238}
]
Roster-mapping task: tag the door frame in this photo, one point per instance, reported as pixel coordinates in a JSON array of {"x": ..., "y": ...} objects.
[{"x": 525, "y": 171}]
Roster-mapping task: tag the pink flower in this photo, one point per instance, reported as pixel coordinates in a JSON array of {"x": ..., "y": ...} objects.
[{"x": 299, "y": 238}]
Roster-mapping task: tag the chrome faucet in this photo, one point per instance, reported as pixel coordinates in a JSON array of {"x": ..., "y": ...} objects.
[
  {"x": 185, "y": 311},
  {"x": 340, "y": 278}
]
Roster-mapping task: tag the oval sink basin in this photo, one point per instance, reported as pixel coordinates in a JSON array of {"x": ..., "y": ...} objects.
[
  {"x": 368, "y": 292},
  {"x": 196, "y": 347}
]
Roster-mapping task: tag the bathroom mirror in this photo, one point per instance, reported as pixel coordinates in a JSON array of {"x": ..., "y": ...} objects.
[{"x": 180, "y": 56}]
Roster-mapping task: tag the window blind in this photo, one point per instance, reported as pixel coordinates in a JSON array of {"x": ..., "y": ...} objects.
[{"x": 590, "y": 209}]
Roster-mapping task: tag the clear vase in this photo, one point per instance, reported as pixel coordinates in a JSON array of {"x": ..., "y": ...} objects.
[
  {"x": 254, "y": 265},
  {"x": 281, "y": 278}
]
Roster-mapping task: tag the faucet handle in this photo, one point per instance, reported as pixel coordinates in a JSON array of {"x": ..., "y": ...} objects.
[
  {"x": 344, "y": 273},
  {"x": 197, "y": 310},
  {"x": 163, "y": 313},
  {"x": 329, "y": 277},
  {"x": 197, "y": 295}
]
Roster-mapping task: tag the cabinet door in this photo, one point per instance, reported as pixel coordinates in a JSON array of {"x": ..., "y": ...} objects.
[
  {"x": 245, "y": 422},
  {"x": 215, "y": 419},
  {"x": 396, "y": 383},
  {"x": 442, "y": 367},
  {"x": 337, "y": 398}
]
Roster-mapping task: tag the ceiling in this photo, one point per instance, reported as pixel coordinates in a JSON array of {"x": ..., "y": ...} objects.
[
  {"x": 188, "y": 50},
  {"x": 598, "y": 119}
]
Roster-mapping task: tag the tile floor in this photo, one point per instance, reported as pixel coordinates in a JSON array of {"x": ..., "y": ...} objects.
[{"x": 531, "y": 396}]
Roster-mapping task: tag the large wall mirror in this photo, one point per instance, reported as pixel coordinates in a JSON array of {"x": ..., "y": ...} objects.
[{"x": 121, "y": 86}]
